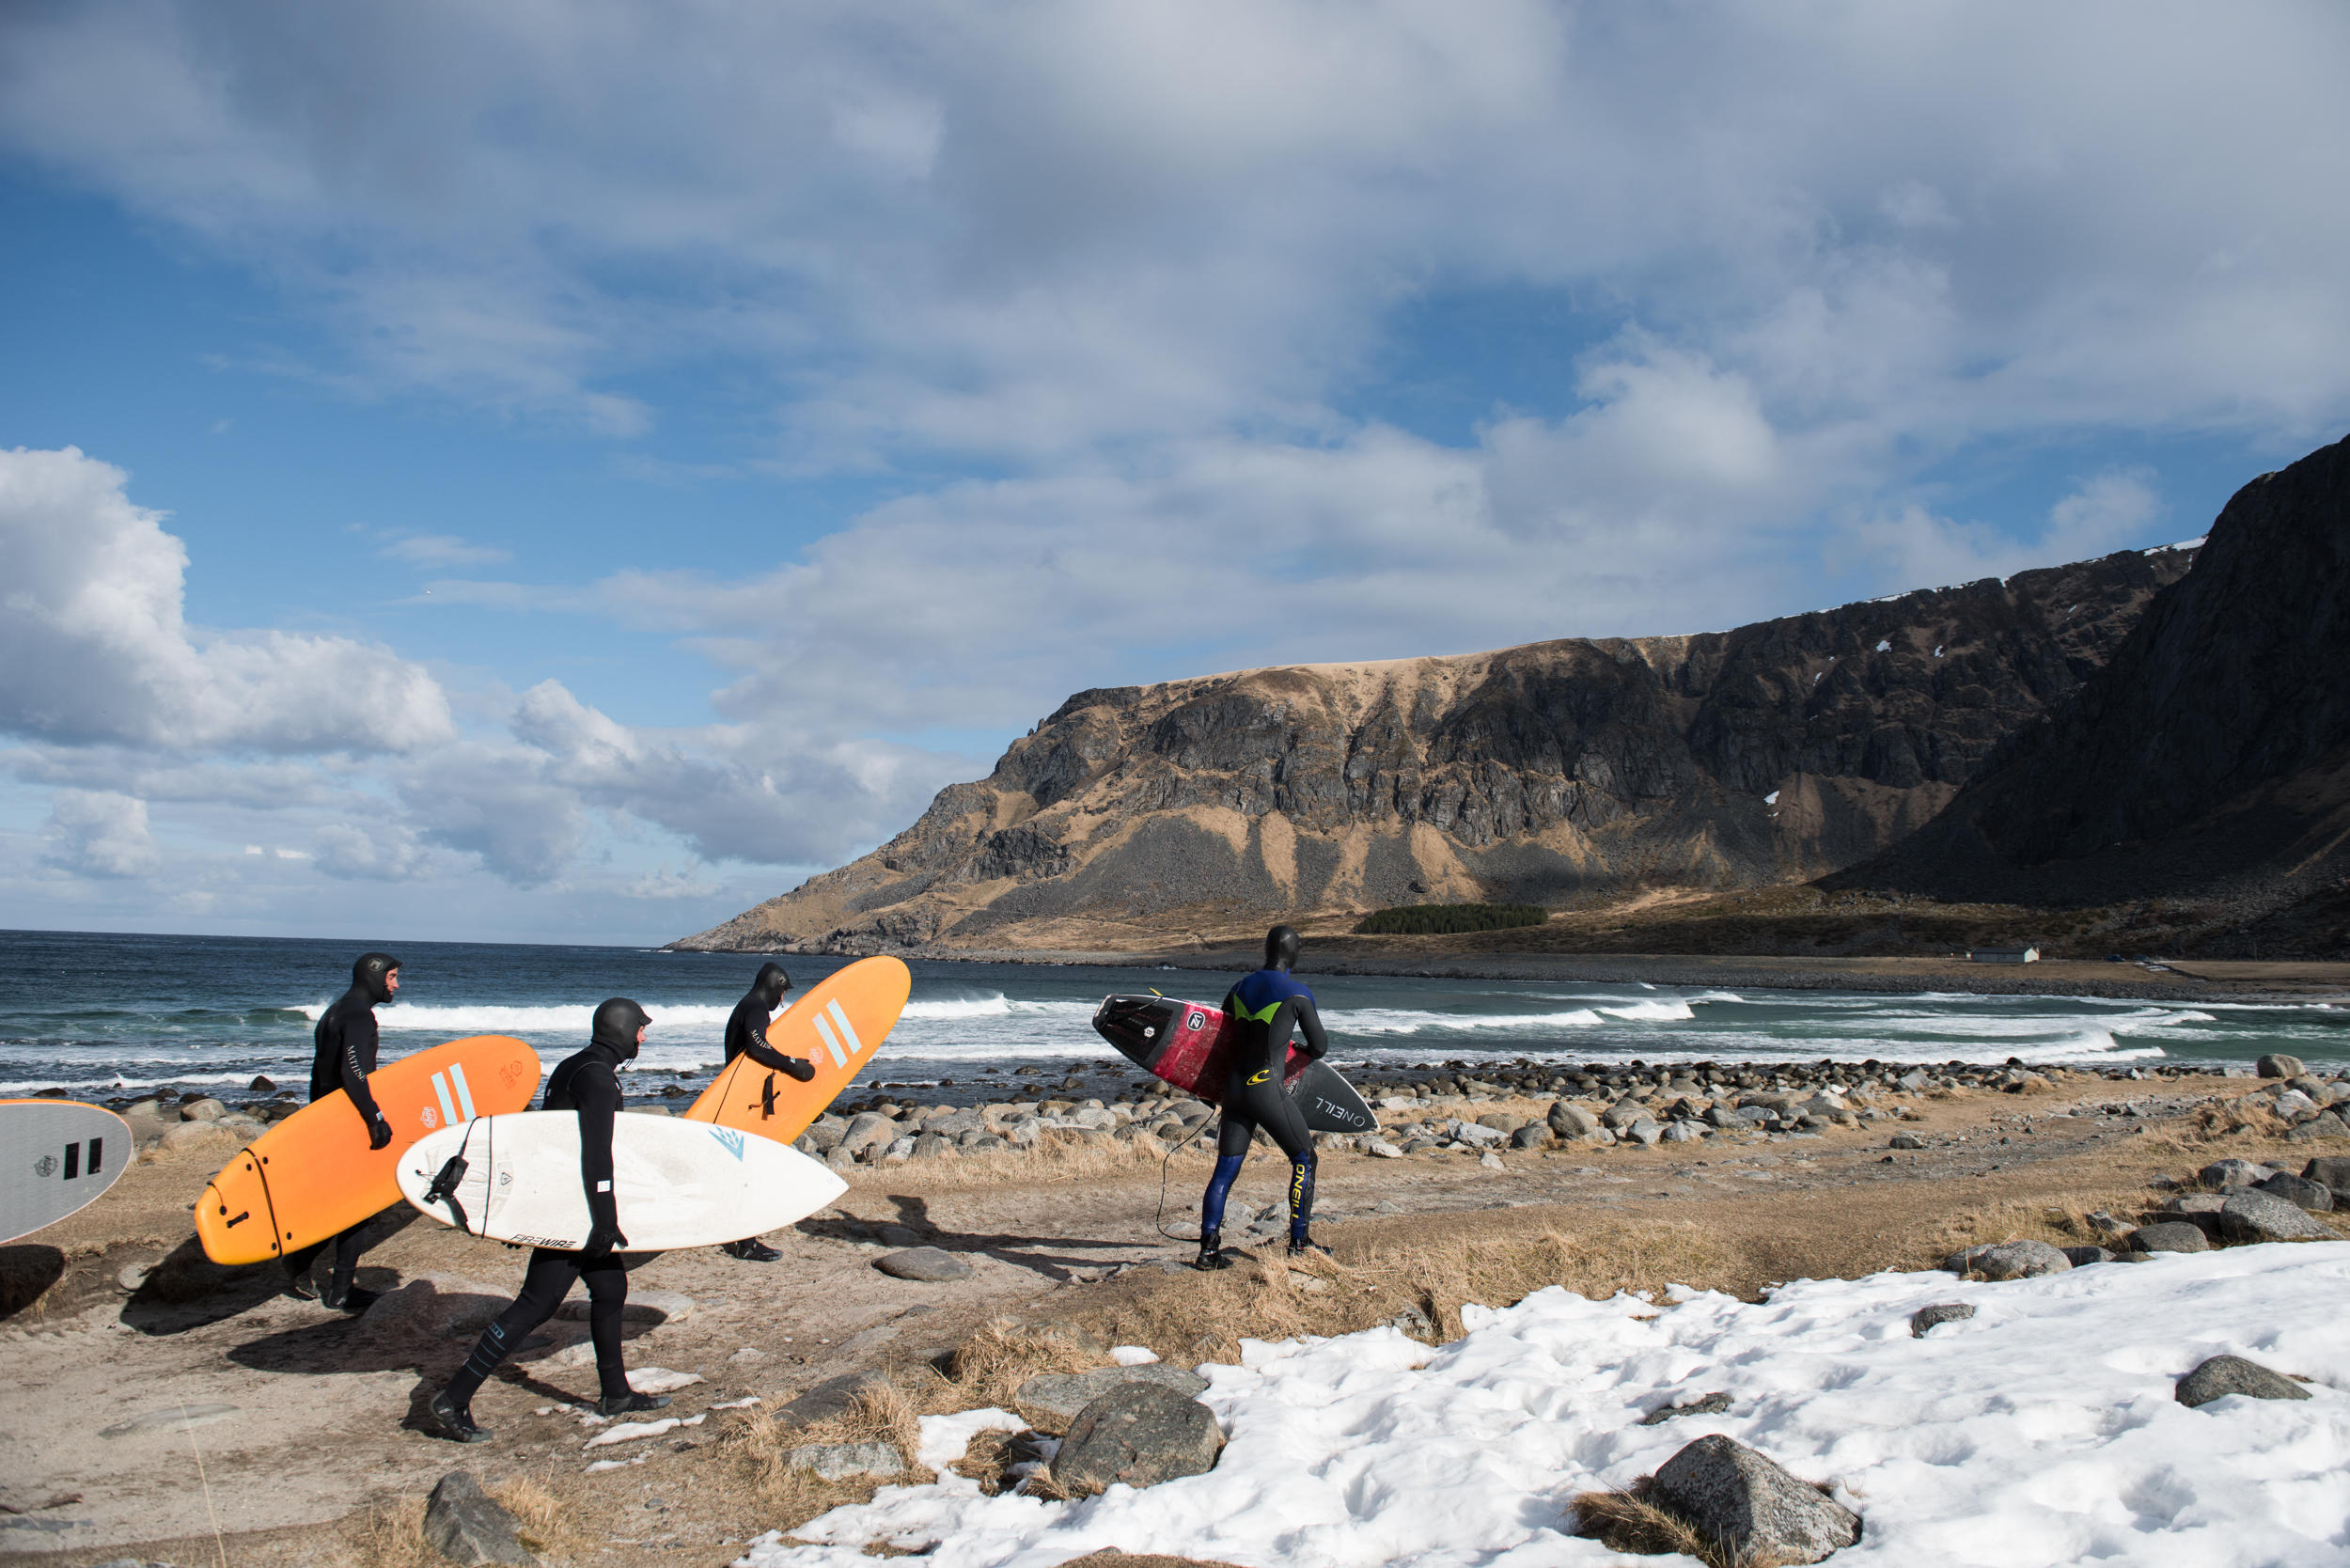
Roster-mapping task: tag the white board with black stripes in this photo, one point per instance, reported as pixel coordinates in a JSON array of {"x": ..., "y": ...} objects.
[
  {"x": 56, "y": 1156},
  {"x": 676, "y": 1183}
]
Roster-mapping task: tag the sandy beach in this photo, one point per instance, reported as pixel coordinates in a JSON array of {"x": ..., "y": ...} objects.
[{"x": 305, "y": 1420}]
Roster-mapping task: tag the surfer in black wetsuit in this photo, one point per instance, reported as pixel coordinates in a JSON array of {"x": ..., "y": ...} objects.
[
  {"x": 747, "y": 1036},
  {"x": 345, "y": 1046},
  {"x": 1265, "y": 1007},
  {"x": 587, "y": 1083}
]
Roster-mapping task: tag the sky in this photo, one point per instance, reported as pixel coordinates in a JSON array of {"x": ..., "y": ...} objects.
[{"x": 567, "y": 472}]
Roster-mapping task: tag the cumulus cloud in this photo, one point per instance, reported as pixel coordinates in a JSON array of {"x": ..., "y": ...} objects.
[
  {"x": 94, "y": 647},
  {"x": 2105, "y": 512},
  {"x": 99, "y": 833}
]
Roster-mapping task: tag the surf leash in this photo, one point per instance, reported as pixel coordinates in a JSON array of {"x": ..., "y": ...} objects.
[{"x": 1158, "y": 1221}]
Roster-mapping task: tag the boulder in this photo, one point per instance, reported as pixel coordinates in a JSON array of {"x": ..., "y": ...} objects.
[
  {"x": 2256, "y": 1217},
  {"x": 2279, "y": 1066},
  {"x": 2014, "y": 1259},
  {"x": 1572, "y": 1121},
  {"x": 868, "y": 1130},
  {"x": 824, "y": 1134},
  {"x": 2233, "y": 1374},
  {"x": 1678, "y": 1132},
  {"x": 1140, "y": 1433},
  {"x": 1534, "y": 1135},
  {"x": 1906, "y": 1140},
  {"x": 841, "y": 1461},
  {"x": 198, "y": 1135},
  {"x": 2331, "y": 1170},
  {"x": 2169, "y": 1236},
  {"x": 2325, "y": 1123},
  {"x": 1732, "y": 1494},
  {"x": 1054, "y": 1399},
  {"x": 2233, "y": 1173},
  {"x": 2081, "y": 1257},
  {"x": 1475, "y": 1136},
  {"x": 2196, "y": 1203},
  {"x": 2300, "y": 1192},
  {"x": 1622, "y": 1114},
  {"x": 470, "y": 1527},
  {"x": 931, "y": 1265},
  {"x": 202, "y": 1111},
  {"x": 1937, "y": 1315},
  {"x": 1644, "y": 1131}
]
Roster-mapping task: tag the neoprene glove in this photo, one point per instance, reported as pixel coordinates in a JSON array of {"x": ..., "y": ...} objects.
[
  {"x": 603, "y": 1237},
  {"x": 379, "y": 1133},
  {"x": 799, "y": 1068}
]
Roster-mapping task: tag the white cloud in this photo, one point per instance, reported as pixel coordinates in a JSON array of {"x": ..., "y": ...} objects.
[
  {"x": 444, "y": 550},
  {"x": 2108, "y": 511},
  {"x": 99, "y": 833},
  {"x": 94, "y": 649}
]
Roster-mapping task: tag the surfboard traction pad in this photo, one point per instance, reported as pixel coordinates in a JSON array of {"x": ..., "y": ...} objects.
[{"x": 1185, "y": 1043}]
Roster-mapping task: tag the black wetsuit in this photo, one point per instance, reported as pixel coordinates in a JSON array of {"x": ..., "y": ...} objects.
[
  {"x": 1265, "y": 1008},
  {"x": 588, "y": 1084},
  {"x": 747, "y": 1025},
  {"x": 344, "y": 1049}
]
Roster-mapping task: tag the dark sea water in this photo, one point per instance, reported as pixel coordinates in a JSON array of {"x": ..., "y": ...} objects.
[{"x": 111, "y": 1014}]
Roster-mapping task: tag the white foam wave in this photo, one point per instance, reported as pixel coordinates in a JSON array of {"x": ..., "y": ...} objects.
[
  {"x": 1378, "y": 1020},
  {"x": 566, "y": 1018},
  {"x": 959, "y": 1008},
  {"x": 1652, "y": 1012}
]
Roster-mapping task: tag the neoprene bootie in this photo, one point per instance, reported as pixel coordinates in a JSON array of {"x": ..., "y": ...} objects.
[
  {"x": 455, "y": 1421},
  {"x": 629, "y": 1403},
  {"x": 1211, "y": 1251},
  {"x": 1301, "y": 1246},
  {"x": 751, "y": 1250}
]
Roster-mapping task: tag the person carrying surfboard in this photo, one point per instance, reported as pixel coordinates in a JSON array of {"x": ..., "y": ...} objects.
[
  {"x": 344, "y": 1054},
  {"x": 1262, "y": 1009},
  {"x": 747, "y": 1036},
  {"x": 587, "y": 1083}
]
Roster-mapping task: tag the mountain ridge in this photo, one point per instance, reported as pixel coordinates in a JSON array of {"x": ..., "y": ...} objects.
[{"x": 1564, "y": 771}]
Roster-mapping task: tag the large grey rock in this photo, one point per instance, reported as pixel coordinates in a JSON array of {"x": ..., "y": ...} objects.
[
  {"x": 202, "y": 1111},
  {"x": 2194, "y": 1203},
  {"x": 1057, "y": 1397},
  {"x": 1937, "y": 1315},
  {"x": 830, "y": 1397},
  {"x": 869, "y": 1130},
  {"x": 2325, "y": 1123},
  {"x": 1734, "y": 1495},
  {"x": 1572, "y": 1121},
  {"x": 1477, "y": 1136},
  {"x": 468, "y": 1527},
  {"x": 841, "y": 1461},
  {"x": 2333, "y": 1170},
  {"x": 2175, "y": 1236},
  {"x": 957, "y": 1123},
  {"x": 2279, "y": 1066},
  {"x": 1622, "y": 1114},
  {"x": 2233, "y": 1374},
  {"x": 2316, "y": 1197},
  {"x": 2233, "y": 1173},
  {"x": 824, "y": 1134},
  {"x": 2256, "y": 1217},
  {"x": 1140, "y": 1433},
  {"x": 1906, "y": 1140},
  {"x": 1678, "y": 1132},
  {"x": 2081, "y": 1257},
  {"x": 2015, "y": 1260},
  {"x": 1645, "y": 1132},
  {"x": 929, "y": 1265}
]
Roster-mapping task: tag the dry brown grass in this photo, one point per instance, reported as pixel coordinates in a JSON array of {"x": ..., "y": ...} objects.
[
  {"x": 1001, "y": 1354},
  {"x": 1626, "y": 1522},
  {"x": 758, "y": 1448},
  {"x": 391, "y": 1535},
  {"x": 542, "y": 1520},
  {"x": 1051, "y": 1159},
  {"x": 1425, "y": 1282}
]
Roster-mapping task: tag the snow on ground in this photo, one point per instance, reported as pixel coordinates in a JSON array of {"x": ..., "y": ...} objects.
[{"x": 2040, "y": 1430}]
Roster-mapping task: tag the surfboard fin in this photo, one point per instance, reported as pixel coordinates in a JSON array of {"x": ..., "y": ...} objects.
[
  {"x": 443, "y": 1189},
  {"x": 767, "y": 1099}
]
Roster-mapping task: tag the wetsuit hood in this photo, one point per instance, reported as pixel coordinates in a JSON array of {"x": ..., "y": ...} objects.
[
  {"x": 771, "y": 984},
  {"x": 1280, "y": 948},
  {"x": 369, "y": 974},
  {"x": 616, "y": 1022}
]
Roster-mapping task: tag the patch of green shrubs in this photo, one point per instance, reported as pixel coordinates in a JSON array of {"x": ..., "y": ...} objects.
[{"x": 1443, "y": 920}]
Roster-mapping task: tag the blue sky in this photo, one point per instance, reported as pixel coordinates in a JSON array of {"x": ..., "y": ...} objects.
[{"x": 569, "y": 472}]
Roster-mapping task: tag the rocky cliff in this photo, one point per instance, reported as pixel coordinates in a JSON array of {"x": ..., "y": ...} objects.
[
  {"x": 1558, "y": 773},
  {"x": 2209, "y": 760}
]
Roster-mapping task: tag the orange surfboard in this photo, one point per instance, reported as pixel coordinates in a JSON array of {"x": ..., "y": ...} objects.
[
  {"x": 313, "y": 1176},
  {"x": 838, "y": 1025}
]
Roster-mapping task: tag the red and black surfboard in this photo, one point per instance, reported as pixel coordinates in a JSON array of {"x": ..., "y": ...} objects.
[{"x": 1186, "y": 1043}]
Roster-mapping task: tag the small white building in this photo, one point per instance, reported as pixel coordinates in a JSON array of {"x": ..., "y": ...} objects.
[{"x": 2005, "y": 955}]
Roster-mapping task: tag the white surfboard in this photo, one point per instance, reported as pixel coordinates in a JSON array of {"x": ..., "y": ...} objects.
[
  {"x": 677, "y": 1184},
  {"x": 56, "y": 1156}
]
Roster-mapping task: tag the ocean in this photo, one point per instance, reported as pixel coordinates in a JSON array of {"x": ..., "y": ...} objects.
[{"x": 107, "y": 1015}]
